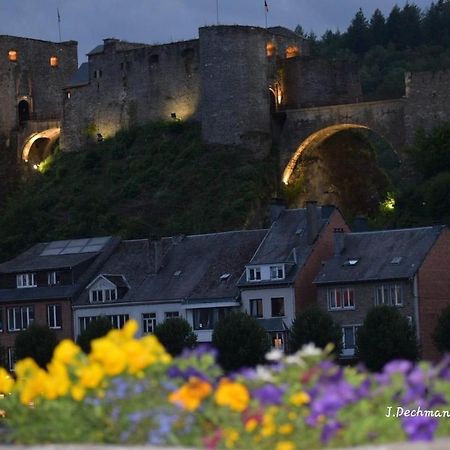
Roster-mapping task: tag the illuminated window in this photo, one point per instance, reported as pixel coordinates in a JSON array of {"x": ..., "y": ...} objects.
[
  {"x": 12, "y": 55},
  {"x": 292, "y": 51},
  {"x": 54, "y": 61},
  {"x": 271, "y": 49}
]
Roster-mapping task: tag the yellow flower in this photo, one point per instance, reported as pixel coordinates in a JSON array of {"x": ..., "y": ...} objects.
[
  {"x": 251, "y": 424},
  {"x": 77, "y": 392},
  {"x": 130, "y": 329},
  {"x": 66, "y": 351},
  {"x": 232, "y": 394},
  {"x": 300, "y": 398},
  {"x": 57, "y": 381},
  {"x": 109, "y": 355},
  {"x": 268, "y": 427},
  {"x": 6, "y": 382},
  {"x": 286, "y": 428},
  {"x": 191, "y": 394},
  {"x": 285, "y": 445},
  {"x": 137, "y": 356},
  {"x": 231, "y": 437},
  {"x": 90, "y": 376}
]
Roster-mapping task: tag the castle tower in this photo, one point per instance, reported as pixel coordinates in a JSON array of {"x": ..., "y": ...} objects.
[{"x": 234, "y": 87}]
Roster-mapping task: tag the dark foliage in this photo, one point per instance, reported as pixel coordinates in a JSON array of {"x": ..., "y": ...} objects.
[
  {"x": 384, "y": 336},
  {"x": 97, "y": 328},
  {"x": 176, "y": 335},
  {"x": 37, "y": 342},
  {"x": 316, "y": 326},
  {"x": 240, "y": 340}
]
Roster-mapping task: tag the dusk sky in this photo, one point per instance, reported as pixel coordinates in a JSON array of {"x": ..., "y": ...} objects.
[{"x": 160, "y": 21}]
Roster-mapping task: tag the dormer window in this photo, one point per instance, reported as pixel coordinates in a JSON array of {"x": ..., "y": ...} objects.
[
  {"x": 277, "y": 272},
  {"x": 351, "y": 262},
  {"x": 253, "y": 274},
  {"x": 103, "y": 295},
  {"x": 53, "y": 278},
  {"x": 26, "y": 280}
]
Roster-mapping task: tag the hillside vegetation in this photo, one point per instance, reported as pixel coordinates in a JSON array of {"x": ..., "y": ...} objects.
[{"x": 149, "y": 181}]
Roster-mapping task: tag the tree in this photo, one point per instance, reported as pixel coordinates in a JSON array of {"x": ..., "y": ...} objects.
[
  {"x": 384, "y": 336},
  {"x": 378, "y": 28},
  {"x": 240, "y": 340},
  {"x": 442, "y": 331},
  {"x": 97, "y": 328},
  {"x": 175, "y": 334},
  {"x": 37, "y": 342},
  {"x": 358, "y": 35},
  {"x": 316, "y": 326}
]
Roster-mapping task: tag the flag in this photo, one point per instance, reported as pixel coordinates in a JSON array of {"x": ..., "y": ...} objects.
[
  {"x": 266, "y": 6},
  {"x": 59, "y": 17}
]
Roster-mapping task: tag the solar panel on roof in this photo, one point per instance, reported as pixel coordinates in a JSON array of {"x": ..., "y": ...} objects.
[{"x": 74, "y": 246}]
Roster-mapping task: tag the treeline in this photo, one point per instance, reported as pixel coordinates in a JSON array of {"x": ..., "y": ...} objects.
[{"x": 408, "y": 39}]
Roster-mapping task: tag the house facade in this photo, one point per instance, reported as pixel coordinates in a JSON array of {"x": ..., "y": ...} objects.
[
  {"x": 408, "y": 269},
  {"x": 278, "y": 281},
  {"x": 39, "y": 286}
]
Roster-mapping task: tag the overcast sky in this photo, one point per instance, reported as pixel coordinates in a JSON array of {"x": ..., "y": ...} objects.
[{"x": 160, "y": 21}]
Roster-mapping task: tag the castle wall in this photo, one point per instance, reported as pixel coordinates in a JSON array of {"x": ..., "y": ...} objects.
[
  {"x": 32, "y": 78},
  {"x": 428, "y": 101},
  {"x": 131, "y": 85},
  {"x": 318, "y": 82},
  {"x": 235, "y": 87}
]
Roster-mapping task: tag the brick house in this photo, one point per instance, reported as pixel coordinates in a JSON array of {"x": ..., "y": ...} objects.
[
  {"x": 40, "y": 284},
  {"x": 193, "y": 277},
  {"x": 408, "y": 269},
  {"x": 278, "y": 280}
]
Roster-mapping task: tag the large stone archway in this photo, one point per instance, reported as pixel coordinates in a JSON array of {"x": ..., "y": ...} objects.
[{"x": 38, "y": 146}]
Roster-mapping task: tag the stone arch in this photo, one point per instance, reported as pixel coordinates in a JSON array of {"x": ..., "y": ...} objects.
[
  {"x": 39, "y": 145},
  {"x": 315, "y": 139}
]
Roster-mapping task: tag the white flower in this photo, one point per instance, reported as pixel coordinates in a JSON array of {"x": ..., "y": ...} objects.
[
  {"x": 295, "y": 359},
  {"x": 309, "y": 350},
  {"x": 274, "y": 355},
  {"x": 263, "y": 374}
]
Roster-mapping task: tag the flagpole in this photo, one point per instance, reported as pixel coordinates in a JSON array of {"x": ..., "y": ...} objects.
[
  {"x": 217, "y": 11},
  {"x": 59, "y": 24},
  {"x": 266, "y": 10}
]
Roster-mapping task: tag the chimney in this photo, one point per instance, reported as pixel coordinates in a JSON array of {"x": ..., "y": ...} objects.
[
  {"x": 157, "y": 257},
  {"x": 277, "y": 206},
  {"x": 312, "y": 221},
  {"x": 339, "y": 236},
  {"x": 360, "y": 224}
]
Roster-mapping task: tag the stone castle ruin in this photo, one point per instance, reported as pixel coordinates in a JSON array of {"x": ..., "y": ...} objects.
[{"x": 247, "y": 86}]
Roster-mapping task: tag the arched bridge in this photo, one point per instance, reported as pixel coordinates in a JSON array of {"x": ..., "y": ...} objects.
[{"x": 310, "y": 126}]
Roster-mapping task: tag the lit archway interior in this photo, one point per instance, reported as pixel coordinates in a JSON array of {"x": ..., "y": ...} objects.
[
  {"x": 39, "y": 145},
  {"x": 347, "y": 165}
]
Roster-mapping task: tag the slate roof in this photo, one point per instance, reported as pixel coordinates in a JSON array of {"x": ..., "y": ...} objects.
[
  {"x": 96, "y": 50},
  {"x": 273, "y": 324},
  {"x": 80, "y": 77},
  {"x": 376, "y": 251},
  {"x": 118, "y": 280},
  {"x": 286, "y": 242},
  {"x": 193, "y": 267}
]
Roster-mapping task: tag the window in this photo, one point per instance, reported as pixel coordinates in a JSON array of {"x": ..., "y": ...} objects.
[
  {"x": 19, "y": 318},
  {"x": 26, "y": 280},
  {"x": 68, "y": 95},
  {"x": 98, "y": 74},
  {"x": 103, "y": 295},
  {"x": 341, "y": 298},
  {"x": 271, "y": 49},
  {"x": 351, "y": 262},
  {"x": 148, "y": 322},
  {"x": 119, "y": 320},
  {"x": 277, "y": 307},
  {"x": 277, "y": 272},
  {"x": 206, "y": 318},
  {"x": 54, "y": 61},
  {"x": 349, "y": 336},
  {"x": 277, "y": 340},
  {"x": 84, "y": 322},
  {"x": 12, "y": 55},
  {"x": 171, "y": 314},
  {"x": 53, "y": 278},
  {"x": 54, "y": 317},
  {"x": 256, "y": 307},
  {"x": 389, "y": 294},
  {"x": 292, "y": 51},
  {"x": 253, "y": 274},
  {"x": 11, "y": 358}
]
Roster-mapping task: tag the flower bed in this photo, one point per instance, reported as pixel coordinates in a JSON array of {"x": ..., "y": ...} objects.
[{"x": 130, "y": 391}]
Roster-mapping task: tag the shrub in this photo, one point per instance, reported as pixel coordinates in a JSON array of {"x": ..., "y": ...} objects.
[
  {"x": 386, "y": 335},
  {"x": 240, "y": 340},
  {"x": 175, "y": 334},
  {"x": 97, "y": 328},
  {"x": 317, "y": 327},
  {"x": 37, "y": 342}
]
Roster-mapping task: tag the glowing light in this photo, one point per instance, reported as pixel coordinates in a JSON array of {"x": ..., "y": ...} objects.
[
  {"x": 36, "y": 166},
  {"x": 271, "y": 49},
  {"x": 292, "y": 51},
  {"x": 54, "y": 61},
  {"x": 12, "y": 55},
  {"x": 51, "y": 133},
  {"x": 389, "y": 203}
]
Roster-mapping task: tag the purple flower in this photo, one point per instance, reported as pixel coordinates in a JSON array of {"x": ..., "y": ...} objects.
[
  {"x": 420, "y": 428},
  {"x": 269, "y": 394},
  {"x": 397, "y": 366},
  {"x": 329, "y": 430},
  {"x": 417, "y": 388}
]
